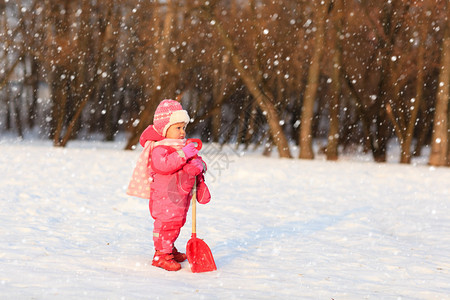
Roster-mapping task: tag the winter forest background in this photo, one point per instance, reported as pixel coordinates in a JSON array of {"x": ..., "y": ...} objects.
[{"x": 271, "y": 73}]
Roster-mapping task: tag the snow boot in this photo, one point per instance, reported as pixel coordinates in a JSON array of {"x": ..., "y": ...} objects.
[
  {"x": 165, "y": 261},
  {"x": 178, "y": 256}
]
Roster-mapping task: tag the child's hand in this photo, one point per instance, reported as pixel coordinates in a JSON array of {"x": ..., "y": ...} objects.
[
  {"x": 198, "y": 164},
  {"x": 194, "y": 167},
  {"x": 190, "y": 150}
]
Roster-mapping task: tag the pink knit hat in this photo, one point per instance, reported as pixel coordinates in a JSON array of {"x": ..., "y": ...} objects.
[{"x": 167, "y": 113}]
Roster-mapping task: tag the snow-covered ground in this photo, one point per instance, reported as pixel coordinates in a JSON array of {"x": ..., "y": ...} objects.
[{"x": 278, "y": 229}]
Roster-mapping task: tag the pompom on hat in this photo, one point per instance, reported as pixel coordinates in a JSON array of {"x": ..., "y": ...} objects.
[{"x": 167, "y": 113}]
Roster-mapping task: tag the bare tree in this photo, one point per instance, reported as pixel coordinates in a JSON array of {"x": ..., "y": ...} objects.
[
  {"x": 158, "y": 75},
  {"x": 272, "y": 73},
  {"x": 333, "y": 134},
  {"x": 262, "y": 97},
  {"x": 440, "y": 153},
  {"x": 306, "y": 135}
]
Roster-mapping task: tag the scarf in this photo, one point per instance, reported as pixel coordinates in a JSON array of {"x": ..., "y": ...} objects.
[{"x": 139, "y": 185}]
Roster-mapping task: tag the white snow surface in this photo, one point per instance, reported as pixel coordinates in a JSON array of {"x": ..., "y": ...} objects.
[{"x": 278, "y": 228}]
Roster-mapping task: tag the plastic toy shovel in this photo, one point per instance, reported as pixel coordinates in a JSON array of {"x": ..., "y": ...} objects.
[{"x": 198, "y": 253}]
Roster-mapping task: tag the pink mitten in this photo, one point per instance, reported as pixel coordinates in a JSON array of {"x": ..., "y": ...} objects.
[
  {"x": 190, "y": 150},
  {"x": 203, "y": 195},
  {"x": 194, "y": 167}
]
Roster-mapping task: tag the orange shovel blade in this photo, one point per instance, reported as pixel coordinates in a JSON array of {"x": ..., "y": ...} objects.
[{"x": 199, "y": 256}]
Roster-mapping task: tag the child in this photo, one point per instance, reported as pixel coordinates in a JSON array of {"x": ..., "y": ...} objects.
[{"x": 166, "y": 172}]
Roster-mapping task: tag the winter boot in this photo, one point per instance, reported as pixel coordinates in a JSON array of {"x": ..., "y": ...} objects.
[
  {"x": 178, "y": 256},
  {"x": 165, "y": 261}
]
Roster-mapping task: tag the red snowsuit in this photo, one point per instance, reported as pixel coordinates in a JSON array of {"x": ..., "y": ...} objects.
[{"x": 170, "y": 189}]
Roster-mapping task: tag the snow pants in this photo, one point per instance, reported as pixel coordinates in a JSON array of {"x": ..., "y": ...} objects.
[{"x": 165, "y": 234}]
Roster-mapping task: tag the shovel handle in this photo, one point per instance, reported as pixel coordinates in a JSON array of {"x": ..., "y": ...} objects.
[{"x": 194, "y": 208}]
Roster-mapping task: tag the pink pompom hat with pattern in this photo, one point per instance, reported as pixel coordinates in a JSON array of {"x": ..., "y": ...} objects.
[{"x": 167, "y": 113}]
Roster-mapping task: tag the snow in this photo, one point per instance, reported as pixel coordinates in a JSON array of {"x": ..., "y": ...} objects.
[{"x": 278, "y": 228}]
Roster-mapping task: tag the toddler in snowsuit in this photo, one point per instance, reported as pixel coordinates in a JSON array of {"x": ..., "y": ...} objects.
[{"x": 166, "y": 172}]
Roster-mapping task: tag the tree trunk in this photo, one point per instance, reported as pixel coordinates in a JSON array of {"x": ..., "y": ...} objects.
[
  {"x": 65, "y": 139},
  {"x": 439, "y": 143},
  {"x": 382, "y": 132},
  {"x": 59, "y": 78},
  {"x": 333, "y": 134},
  {"x": 111, "y": 44},
  {"x": 405, "y": 156},
  {"x": 448, "y": 135},
  {"x": 34, "y": 76},
  {"x": 18, "y": 111},
  {"x": 424, "y": 126},
  {"x": 306, "y": 151},
  {"x": 59, "y": 100}
]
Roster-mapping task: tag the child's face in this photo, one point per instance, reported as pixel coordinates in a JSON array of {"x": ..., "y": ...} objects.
[{"x": 176, "y": 131}]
